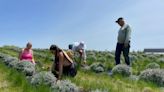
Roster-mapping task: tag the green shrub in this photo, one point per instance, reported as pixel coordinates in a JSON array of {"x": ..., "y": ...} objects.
[
  {"x": 65, "y": 86},
  {"x": 161, "y": 60},
  {"x": 101, "y": 59},
  {"x": 152, "y": 57},
  {"x": 26, "y": 67},
  {"x": 133, "y": 58},
  {"x": 9, "y": 59},
  {"x": 98, "y": 90},
  {"x": 122, "y": 70},
  {"x": 45, "y": 78},
  {"x": 91, "y": 59},
  {"x": 152, "y": 66},
  {"x": 153, "y": 75},
  {"x": 109, "y": 55},
  {"x": 13, "y": 64},
  {"x": 97, "y": 67}
]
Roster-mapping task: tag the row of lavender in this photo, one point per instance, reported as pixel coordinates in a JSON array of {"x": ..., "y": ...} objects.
[{"x": 38, "y": 78}]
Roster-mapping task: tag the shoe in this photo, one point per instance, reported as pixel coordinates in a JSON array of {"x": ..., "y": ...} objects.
[{"x": 110, "y": 73}]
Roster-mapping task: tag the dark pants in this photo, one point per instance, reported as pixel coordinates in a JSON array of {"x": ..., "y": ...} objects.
[
  {"x": 70, "y": 70},
  {"x": 119, "y": 49}
]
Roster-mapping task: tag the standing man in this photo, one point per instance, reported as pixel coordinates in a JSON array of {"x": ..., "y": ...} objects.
[{"x": 123, "y": 41}]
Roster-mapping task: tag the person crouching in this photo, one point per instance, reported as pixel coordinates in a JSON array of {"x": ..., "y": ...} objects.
[{"x": 63, "y": 64}]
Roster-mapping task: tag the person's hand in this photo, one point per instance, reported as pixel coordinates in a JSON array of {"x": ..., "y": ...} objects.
[
  {"x": 126, "y": 45},
  {"x": 80, "y": 51},
  {"x": 58, "y": 81},
  {"x": 48, "y": 68},
  {"x": 57, "y": 72},
  {"x": 34, "y": 63},
  {"x": 84, "y": 61}
]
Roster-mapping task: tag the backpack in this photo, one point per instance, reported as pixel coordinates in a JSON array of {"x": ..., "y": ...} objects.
[
  {"x": 73, "y": 70},
  {"x": 70, "y": 53}
]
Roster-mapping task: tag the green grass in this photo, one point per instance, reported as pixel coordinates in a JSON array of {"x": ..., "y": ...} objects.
[
  {"x": 88, "y": 80},
  {"x": 14, "y": 81},
  {"x": 92, "y": 81}
]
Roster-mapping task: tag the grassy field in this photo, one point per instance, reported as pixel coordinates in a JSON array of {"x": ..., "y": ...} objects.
[
  {"x": 5, "y": 84},
  {"x": 86, "y": 80},
  {"x": 14, "y": 81}
]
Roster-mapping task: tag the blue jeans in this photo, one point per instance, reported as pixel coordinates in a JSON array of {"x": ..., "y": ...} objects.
[{"x": 120, "y": 48}]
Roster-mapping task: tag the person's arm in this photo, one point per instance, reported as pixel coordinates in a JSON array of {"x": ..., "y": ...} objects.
[
  {"x": 61, "y": 60},
  {"x": 128, "y": 34},
  {"x": 81, "y": 51},
  {"x": 33, "y": 60},
  {"x": 84, "y": 56},
  {"x": 81, "y": 54},
  {"x": 20, "y": 54}
]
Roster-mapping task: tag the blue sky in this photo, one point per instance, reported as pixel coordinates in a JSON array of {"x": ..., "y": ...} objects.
[{"x": 46, "y": 22}]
